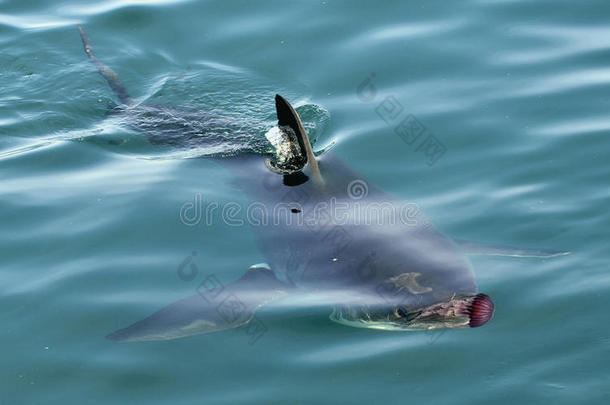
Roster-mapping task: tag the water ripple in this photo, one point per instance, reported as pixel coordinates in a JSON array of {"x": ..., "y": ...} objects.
[
  {"x": 97, "y": 8},
  {"x": 557, "y": 42}
]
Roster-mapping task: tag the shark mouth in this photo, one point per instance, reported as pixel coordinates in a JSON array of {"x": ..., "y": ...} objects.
[
  {"x": 458, "y": 312},
  {"x": 478, "y": 310}
]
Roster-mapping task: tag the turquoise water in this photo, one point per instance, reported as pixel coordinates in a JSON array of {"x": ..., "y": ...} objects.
[{"x": 515, "y": 92}]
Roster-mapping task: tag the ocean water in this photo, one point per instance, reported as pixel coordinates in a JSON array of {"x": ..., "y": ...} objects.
[{"x": 514, "y": 95}]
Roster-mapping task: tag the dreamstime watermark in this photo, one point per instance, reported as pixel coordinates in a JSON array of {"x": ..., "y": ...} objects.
[
  {"x": 230, "y": 311},
  {"x": 406, "y": 126},
  {"x": 357, "y": 189},
  {"x": 298, "y": 209}
]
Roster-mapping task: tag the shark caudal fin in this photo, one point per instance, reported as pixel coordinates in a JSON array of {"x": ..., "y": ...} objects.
[
  {"x": 287, "y": 116},
  {"x": 110, "y": 75},
  {"x": 473, "y": 248},
  {"x": 215, "y": 307}
]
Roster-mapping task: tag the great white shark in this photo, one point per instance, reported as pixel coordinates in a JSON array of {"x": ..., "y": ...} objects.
[{"x": 327, "y": 232}]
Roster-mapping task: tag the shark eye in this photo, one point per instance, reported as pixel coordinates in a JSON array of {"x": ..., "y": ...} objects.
[{"x": 401, "y": 312}]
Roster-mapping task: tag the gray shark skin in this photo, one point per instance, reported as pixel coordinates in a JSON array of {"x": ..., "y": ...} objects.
[
  {"x": 374, "y": 269},
  {"x": 325, "y": 232}
]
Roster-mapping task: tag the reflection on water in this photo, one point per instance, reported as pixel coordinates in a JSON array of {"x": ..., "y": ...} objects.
[{"x": 91, "y": 228}]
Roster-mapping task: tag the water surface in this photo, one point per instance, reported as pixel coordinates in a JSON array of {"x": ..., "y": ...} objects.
[{"x": 91, "y": 237}]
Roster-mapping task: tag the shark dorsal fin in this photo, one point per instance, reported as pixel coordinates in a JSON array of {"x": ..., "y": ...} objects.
[{"x": 287, "y": 116}]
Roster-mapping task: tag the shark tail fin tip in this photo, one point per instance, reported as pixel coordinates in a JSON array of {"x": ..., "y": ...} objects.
[{"x": 110, "y": 75}]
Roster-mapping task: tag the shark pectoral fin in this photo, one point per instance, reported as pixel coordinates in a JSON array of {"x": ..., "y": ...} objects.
[
  {"x": 473, "y": 248},
  {"x": 215, "y": 307},
  {"x": 287, "y": 116}
]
